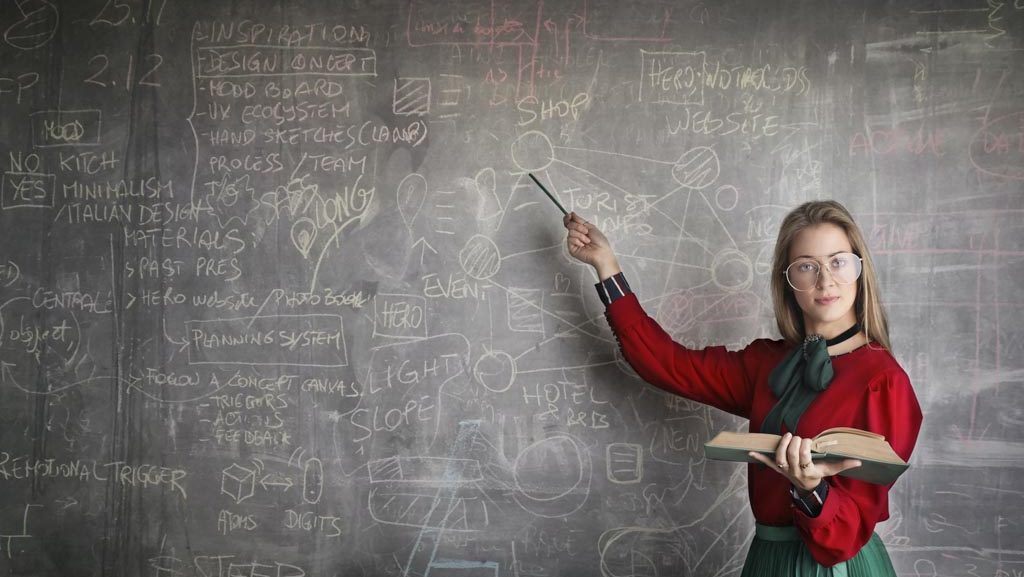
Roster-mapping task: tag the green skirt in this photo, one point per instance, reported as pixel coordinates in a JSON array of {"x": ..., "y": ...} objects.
[{"x": 779, "y": 552}]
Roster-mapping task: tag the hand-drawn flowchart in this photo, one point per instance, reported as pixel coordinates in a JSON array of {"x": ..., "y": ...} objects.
[{"x": 278, "y": 296}]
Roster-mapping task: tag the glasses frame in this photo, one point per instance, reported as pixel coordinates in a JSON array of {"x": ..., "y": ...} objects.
[{"x": 817, "y": 277}]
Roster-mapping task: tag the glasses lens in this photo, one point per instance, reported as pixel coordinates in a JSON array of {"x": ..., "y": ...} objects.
[
  {"x": 802, "y": 274},
  {"x": 844, "y": 268}
]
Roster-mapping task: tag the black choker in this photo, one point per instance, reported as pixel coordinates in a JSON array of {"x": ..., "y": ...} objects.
[{"x": 845, "y": 336}]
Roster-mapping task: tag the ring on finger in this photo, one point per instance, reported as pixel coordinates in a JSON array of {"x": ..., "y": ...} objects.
[{"x": 804, "y": 465}]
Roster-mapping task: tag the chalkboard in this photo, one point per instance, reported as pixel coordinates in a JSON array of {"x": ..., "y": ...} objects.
[{"x": 279, "y": 299}]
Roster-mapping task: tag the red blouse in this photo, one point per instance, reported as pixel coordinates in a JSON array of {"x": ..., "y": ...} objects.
[{"x": 869, "y": 391}]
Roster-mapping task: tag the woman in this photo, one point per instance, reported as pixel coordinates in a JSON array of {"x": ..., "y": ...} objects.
[{"x": 832, "y": 368}]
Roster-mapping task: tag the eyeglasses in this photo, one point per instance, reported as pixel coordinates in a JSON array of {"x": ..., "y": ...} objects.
[{"x": 845, "y": 268}]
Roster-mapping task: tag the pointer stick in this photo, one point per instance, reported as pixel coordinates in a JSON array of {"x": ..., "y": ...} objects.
[{"x": 553, "y": 199}]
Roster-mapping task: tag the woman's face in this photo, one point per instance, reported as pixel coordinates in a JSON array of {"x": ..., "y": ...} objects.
[{"x": 828, "y": 305}]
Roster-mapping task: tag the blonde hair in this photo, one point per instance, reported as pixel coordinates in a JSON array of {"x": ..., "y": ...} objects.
[{"x": 868, "y": 304}]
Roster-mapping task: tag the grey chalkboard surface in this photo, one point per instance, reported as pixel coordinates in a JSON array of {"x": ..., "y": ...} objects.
[{"x": 278, "y": 298}]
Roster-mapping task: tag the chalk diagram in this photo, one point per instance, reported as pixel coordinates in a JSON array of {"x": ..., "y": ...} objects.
[
  {"x": 475, "y": 481},
  {"x": 48, "y": 351},
  {"x": 241, "y": 482},
  {"x": 706, "y": 267},
  {"x": 456, "y": 494}
]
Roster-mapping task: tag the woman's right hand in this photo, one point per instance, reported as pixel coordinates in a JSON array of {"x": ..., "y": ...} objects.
[{"x": 588, "y": 244}]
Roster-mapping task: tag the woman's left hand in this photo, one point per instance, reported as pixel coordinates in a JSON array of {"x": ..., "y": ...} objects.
[{"x": 793, "y": 461}]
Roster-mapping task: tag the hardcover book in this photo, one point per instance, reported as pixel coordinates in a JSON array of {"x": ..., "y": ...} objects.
[{"x": 880, "y": 463}]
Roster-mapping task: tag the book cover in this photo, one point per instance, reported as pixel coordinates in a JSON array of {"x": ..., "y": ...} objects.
[{"x": 880, "y": 463}]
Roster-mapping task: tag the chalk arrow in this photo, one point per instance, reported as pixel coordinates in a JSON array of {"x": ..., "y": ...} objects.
[
  {"x": 423, "y": 250},
  {"x": 275, "y": 481},
  {"x": 68, "y": 502}
]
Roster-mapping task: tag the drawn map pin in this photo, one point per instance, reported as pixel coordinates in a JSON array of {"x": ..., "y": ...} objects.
[
  {"x": 303, "y": 235},
  {"x": 412, "y": 192}
]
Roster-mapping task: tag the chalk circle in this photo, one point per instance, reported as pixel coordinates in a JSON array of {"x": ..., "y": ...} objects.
[
  {"x": 532, "y": 151},
  {"x": 480, "y": 257},
  {"x": 1000, "y": 162},
  {"x": 13, "y": 273},
  {"x": 732, "y": 271},
  {"x": 496, "y": 371},
  {"x": 42, "y": 355},
  {"x": 727, "y": 197},
  {"x": 697, "y": 168},
  {"x": 550, "y": 468}
]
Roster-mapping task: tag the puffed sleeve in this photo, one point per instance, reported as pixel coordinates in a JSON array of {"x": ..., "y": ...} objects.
[
  {"x": 713, "y": 376},
  {"x": 853, "y": 507}
]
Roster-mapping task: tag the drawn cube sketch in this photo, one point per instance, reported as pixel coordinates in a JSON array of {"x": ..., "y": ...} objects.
[
  {"x": 411, "y": 97},
  {"x": 238, "y": 482}
]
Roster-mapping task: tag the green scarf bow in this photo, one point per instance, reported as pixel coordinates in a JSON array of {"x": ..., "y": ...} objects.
[{"x": 797, "y": 380}]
